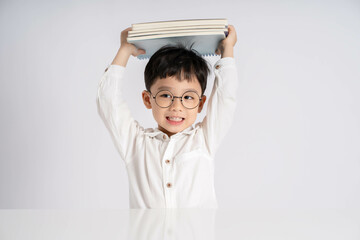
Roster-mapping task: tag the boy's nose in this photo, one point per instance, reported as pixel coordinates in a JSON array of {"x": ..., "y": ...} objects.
[{"x": 176, "y": 104}]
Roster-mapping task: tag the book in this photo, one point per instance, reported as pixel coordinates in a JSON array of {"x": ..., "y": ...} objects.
[
  {"x": 203, "y": 35},
  {"x": 176, "y": 23},
  {"x": 171, "y": 30}
]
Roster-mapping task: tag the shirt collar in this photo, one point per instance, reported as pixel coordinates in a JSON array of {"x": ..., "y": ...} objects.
[{"x": 151, "y": 132}]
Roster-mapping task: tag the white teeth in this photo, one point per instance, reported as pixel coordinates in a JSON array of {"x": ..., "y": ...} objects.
[{"x": 175, "y": 119}]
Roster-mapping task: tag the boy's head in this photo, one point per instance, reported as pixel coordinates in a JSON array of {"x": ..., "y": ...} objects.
[{"x": 171, "y": 73}]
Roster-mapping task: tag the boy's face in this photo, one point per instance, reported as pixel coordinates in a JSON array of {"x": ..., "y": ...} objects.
[{"x": 176, "y": 117}]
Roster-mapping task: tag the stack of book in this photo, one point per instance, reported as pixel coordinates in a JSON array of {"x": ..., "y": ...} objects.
[{"x": 203, "y": 35}]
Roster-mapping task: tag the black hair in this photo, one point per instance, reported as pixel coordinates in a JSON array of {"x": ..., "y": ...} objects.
[{"x": 176, "y": 60}]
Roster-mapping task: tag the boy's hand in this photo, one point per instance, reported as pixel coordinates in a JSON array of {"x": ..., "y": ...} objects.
[
  {"x": 126, "y": 49},
  {"x": 129, "y": 47},
  {"x": 226, "y": 46}
]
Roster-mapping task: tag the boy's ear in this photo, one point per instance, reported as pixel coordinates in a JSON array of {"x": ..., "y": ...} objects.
[
  {"x": 201, "y": 104},
  {"x": 146, "y": 99}
]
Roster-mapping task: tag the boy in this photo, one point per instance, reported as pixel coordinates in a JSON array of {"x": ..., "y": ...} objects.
[{"x": 171, "y": 166}]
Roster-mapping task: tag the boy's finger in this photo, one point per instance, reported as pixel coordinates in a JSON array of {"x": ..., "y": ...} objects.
[
  {"x": 231, "y": 29},
  {"x": 125, "y": 31},
  {"x": 140, "y": 52}
]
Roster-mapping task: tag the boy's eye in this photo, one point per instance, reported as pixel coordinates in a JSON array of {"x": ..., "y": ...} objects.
[
  {"x": 187, "y": 97},
  {"x": 165, "y": 95}
]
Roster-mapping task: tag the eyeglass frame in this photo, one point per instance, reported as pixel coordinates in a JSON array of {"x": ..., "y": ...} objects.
[{"x": 173, "y": 97}]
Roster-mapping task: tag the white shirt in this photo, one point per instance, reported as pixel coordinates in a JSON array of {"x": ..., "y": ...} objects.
[{"x": 176, "y": 171}]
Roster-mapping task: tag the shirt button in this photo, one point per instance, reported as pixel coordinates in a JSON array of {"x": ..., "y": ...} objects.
[
  {"x": 169, "y": 185},
  {"x": 164, "y": 136},
  {"x": 217, "y": 66},
  {"x": 167, "y": 161}
]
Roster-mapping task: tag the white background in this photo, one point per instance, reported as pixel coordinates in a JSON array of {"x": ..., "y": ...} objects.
[{"x": 295, "y": 141}]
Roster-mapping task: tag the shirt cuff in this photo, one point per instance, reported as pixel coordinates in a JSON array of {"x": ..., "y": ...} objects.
[
  {"x": 226, "y": 61},
  {"x": 115, "y": 70}
]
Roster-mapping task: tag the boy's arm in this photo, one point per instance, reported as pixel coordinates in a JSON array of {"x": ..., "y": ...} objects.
[
  {"x": 222, "y": 101},
  {"x": 111, "y": 106}
]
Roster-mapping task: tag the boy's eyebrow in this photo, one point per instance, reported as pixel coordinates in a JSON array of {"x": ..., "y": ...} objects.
[{"x": 169, "y": 88}]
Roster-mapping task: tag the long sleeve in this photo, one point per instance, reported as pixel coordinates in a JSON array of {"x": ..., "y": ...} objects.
[
  {"x": 115, "y": 113},
  {"x": 222, "y": 103}
]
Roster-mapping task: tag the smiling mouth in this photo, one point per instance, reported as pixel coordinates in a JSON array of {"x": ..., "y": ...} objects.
[{"x": 175, "y": 120}]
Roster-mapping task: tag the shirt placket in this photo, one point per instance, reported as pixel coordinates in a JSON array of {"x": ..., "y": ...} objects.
[{"x": 168, "y": 175}]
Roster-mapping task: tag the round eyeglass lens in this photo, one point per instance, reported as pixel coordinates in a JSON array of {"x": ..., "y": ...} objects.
[
  {"x": 163, "y": 98},
  {"x": 190, "y": 99}
]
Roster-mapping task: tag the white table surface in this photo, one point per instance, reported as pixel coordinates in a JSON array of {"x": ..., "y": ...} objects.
[{"x": 249, "y": 224}]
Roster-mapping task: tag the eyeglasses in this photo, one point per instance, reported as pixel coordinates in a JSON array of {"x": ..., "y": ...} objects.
[{"x": 189, "y": 99}]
